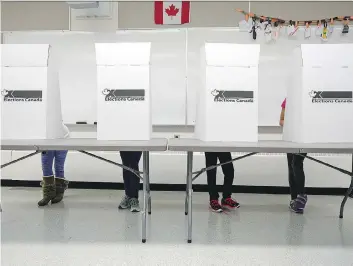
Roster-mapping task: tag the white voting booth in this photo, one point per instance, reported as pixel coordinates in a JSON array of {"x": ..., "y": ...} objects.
[
  {"x": 123, "y": 95},
  {"x": 227, "y": 108},
  {"x": 319, "y": 105},
  {"x": 30, "y": 93}
]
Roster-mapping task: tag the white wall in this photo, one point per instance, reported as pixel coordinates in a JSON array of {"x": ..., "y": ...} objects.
[
  {"x": 170, "y": 167},
  {"x": 55, "y": 15}
]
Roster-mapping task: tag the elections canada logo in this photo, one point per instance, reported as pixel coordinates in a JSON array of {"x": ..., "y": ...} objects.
[
  {"x": 22, "y": 95},
  {"x": 233, "y": 96},
  {"x": 331, "y": 96},
  {"x": 123, "y": 95}
]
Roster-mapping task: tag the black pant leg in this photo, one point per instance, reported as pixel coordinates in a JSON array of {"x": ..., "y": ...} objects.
[
  {"x": 131, "y": 181},
  {"x": 126, "y": 174},
  {"x": 299, "y": 175},
  {"x": 291, "y": 178},
  {"x": 211, "y": 159},
  {"x": 135, "y": 184},
  {"x": 228, "y": 172}
]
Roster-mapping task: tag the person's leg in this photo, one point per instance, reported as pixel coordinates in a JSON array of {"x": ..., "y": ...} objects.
[
  {"x": 60, "y": 181},
  {"x": 298, "y": 167},
  {"x": 125, "y": 160},
  {"x": 211, "y": 160},
  {"x": 291, "y": 178},
  {"x": 59, "y": 163},
  {"x": 135, "y": 180},
  {"x": 48, "y": 182},
  {"x": 47, "y": 163},
  {"x": 299, "y": 175},
  {"x": 124, "y": 204},
  {"x": 228, "y": 172},
  {"x": 131, "y": 181}
]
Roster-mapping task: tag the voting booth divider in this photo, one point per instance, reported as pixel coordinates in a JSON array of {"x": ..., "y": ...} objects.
[
  {"x": 123, "y": 91},
  {"x": 319, "y": 107},
  {"x": 227, "y": 108},
  {"x": 30, "y": 93}
]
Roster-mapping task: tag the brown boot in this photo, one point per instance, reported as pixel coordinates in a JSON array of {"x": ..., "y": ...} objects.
[
  {"x": 61, "y": 185},
  {"x": 48, "y": 187}
]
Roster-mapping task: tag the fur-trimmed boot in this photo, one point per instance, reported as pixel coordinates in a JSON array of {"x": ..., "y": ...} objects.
[
  {"x": 49, "y": 192},
  {"x": 61, "y": 185}
]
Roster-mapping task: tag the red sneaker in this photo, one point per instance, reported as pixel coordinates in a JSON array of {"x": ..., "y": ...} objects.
[
  {"x": 230, "y": 204},
  {"x": 215, "y": 206}
]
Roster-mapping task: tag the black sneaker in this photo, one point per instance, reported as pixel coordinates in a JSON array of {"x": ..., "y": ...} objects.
[
  {"x": 230, "y": 204},
  {"x": 298, "y": 205},
  {"x": 215, "y": 206}
]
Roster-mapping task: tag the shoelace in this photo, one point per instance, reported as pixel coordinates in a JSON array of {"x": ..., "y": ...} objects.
[
  {"x": 134, "y": 202},
  {"x": 230, "y": 201},
  {"x": 215, "y": 204},
  {"x": 302, "y": 199}
]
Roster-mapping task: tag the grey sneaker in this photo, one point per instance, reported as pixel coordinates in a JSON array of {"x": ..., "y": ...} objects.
[
  {"x": 134, "y": 205},
  {"x": 125, "y": 203}
]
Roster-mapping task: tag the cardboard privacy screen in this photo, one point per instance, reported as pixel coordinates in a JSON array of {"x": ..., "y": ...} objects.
[
  {"x": 30, "y": 93},
  {"x": 123, "y": 91},
  {"x": 320, "y": 95},
  {"x": 227, "y": 108}
]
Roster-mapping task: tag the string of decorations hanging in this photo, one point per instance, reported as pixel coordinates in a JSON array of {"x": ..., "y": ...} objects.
[{"x": 324, "y": 30}]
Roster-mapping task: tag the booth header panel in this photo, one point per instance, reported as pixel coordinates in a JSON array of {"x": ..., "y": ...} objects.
[
  {"x": 112, "y": 54},
  {"x": 24, "y": 55},
  {"x": 328, "y": 55},
  {"x": 229, "y": 54}
]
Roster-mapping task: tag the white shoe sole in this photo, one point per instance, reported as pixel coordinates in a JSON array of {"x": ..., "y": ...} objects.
[
  {"x": 230, "y": 208},
  {"x": 216, "y": 211},
  {"x": 134, "y": 210},
  {"x": 123, "y": 207}
]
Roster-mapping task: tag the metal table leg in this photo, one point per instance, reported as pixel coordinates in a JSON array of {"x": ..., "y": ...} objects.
[
  {"x": 148, "y": 184},
  {"x": 348, "y": 193},
  {"x": 145, "y": 197},
  {"x": 189, "y": 195},
  {"x": 187, "y": 186},
  {"x": 351, "y": 195}
]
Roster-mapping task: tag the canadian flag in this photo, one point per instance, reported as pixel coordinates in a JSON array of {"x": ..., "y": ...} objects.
[{"x": 171, "y": 12}]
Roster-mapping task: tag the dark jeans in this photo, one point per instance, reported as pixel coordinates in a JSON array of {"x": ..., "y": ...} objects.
[
  {"x": 296, "y": 174},
  {"x": 228, "y": 172},
  {"x": 131, "y": 181},
  {"x": 56, "y": 157}
]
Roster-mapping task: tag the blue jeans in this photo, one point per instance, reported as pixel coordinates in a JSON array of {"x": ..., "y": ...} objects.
[{"x": 59, "y": 161}]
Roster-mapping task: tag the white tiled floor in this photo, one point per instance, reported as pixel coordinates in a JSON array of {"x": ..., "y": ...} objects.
[{"x": 88, "y": 229}]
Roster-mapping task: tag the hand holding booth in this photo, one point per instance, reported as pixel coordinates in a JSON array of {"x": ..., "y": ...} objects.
[
  {"x": 30, "y": 93},
  {"x": 124, "y": 102},
  {"x": 319, "y": 105},
  {"x": 227, "y": 108}
]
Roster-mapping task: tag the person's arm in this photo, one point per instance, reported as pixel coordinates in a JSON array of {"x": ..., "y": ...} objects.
[{"x": 281, "y": 119}]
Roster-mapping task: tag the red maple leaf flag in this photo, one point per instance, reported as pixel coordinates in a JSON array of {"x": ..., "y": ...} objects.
[{"x": 171, "y": 12}]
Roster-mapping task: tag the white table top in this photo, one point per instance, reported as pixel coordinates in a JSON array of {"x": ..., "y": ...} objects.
[
  {"x": 263, "y": 146},
  {"x": 194, "y": 145},
  {"x": 85, "y": 144}
]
